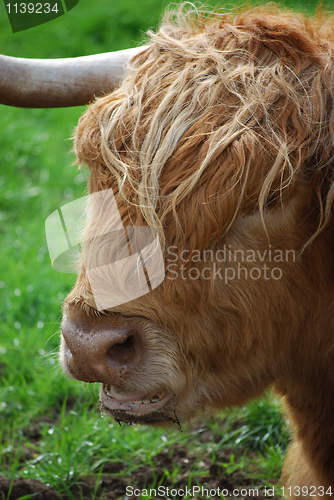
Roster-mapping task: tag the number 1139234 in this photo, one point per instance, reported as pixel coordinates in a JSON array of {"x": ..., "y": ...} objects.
[
  {"x": 32, "y": 8},
  {"x": 306, "y": 491}
]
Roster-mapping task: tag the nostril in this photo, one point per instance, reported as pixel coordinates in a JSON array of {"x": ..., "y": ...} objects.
[
  {"x": 124, "y": 351},
  {"x": 101, "y": 352}
]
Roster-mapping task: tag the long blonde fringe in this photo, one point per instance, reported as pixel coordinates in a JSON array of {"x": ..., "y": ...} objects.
[{"x": 219, "y": 117}]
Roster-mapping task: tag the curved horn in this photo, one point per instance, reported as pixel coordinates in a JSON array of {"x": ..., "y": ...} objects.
[{"x": 54, "y": 83}]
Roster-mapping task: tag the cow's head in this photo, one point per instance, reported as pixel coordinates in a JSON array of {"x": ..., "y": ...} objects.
[{"x": 220, "y": 138}]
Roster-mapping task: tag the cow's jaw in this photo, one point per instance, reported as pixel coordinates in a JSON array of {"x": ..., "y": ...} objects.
[{"x": 136, "y": 408}]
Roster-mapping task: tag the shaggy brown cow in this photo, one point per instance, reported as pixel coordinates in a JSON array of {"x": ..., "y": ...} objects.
[{"x": 221, "y": 138}]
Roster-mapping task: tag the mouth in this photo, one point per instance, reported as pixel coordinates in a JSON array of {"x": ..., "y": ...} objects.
[{"x": 136, "y": 408}]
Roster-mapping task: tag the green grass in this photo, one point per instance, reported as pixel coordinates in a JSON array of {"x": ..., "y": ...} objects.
[{"x": 49, "y": 427}]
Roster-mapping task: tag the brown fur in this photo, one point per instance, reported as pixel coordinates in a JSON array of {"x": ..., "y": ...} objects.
[{"x": 222, "y": 136}]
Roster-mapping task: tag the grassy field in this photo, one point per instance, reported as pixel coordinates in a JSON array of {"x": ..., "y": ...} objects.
[{"x": 50, "y": 429}]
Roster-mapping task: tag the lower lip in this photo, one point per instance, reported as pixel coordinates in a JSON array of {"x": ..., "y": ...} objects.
[{"x": 130, "y": 407}]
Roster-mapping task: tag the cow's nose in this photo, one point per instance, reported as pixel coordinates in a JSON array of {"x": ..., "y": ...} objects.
[{"x": 100, "y": 354}]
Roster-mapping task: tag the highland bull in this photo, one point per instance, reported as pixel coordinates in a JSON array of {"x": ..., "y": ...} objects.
[{"x": 220, "y": 138}]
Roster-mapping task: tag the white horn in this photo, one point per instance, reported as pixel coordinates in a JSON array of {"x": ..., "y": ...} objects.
[{"x": 55, "y": 83}]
